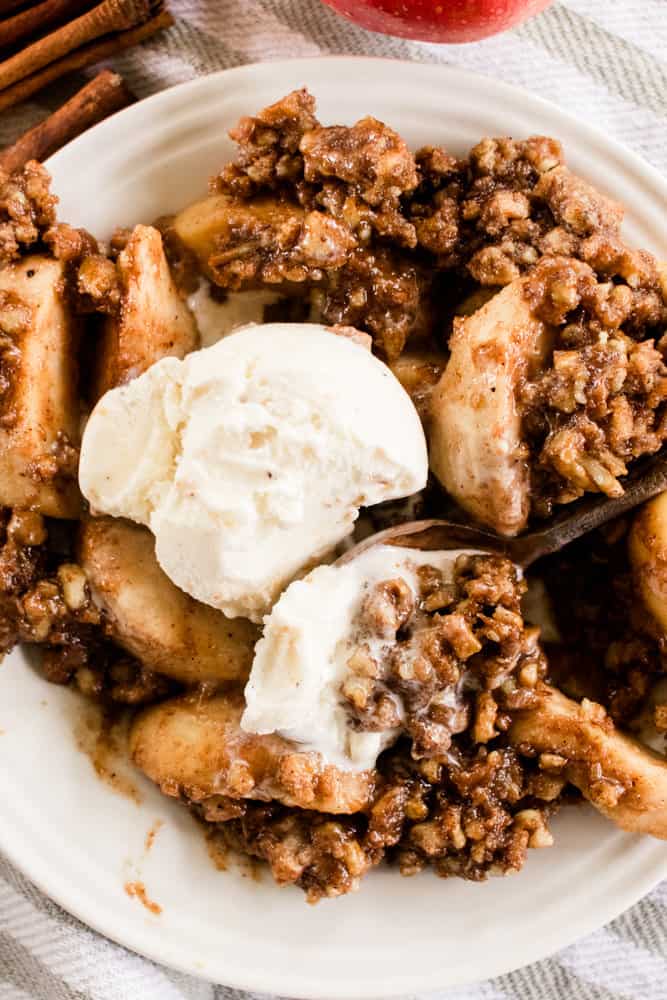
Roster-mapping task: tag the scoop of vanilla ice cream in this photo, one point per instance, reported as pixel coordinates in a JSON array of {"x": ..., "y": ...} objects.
[
  {"x": 301, "y": 661},
  {"x": 249, "y": 460}
]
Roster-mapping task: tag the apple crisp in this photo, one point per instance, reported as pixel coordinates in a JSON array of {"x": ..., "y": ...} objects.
[{"x": 498, "y": 289}]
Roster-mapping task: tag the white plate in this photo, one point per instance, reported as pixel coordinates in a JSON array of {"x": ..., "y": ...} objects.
[{"x": 79, "y": 841}]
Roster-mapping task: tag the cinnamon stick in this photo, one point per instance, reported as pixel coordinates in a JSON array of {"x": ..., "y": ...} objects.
[
  {"x": 38, "y": 18},
  {"x": 87, "y": 55},
  {"x": 108, "y": 16},
  {"x": 9, "y": 6},
  {"x": 100, "y": 97}
]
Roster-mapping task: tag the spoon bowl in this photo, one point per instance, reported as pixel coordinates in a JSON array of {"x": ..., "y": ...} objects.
[{"x": 429, "y": 535}]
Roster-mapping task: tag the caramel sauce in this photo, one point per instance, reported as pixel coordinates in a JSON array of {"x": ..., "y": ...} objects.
[
  {"x": 101, "y": 735},
  {"x": 137, "y": 890},
  {"x": 151, "y": 835},
  {"x": 218, "y": 851}
]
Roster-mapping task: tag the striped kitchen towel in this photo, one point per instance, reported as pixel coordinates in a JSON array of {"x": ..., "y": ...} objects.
[{"x": 605, "y": 61}]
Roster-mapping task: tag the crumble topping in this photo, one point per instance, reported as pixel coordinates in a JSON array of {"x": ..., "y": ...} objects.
[
  {"x": 600, "y": 404},
  {"x": 457, "y": 658},
  {"x": 346, "y": 224}
]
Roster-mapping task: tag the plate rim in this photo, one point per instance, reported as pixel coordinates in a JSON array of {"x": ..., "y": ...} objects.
[
  {"x": 36, "y": 867},
  {"x": 651, "y": 174}
]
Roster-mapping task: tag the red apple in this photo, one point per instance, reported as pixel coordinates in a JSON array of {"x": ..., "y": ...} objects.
[{"x": 438, "y": 20}]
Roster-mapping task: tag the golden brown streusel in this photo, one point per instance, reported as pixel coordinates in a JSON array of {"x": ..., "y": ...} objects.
[{"x": 457, "y": 659}]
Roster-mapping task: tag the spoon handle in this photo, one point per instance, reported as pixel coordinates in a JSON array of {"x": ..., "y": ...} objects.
[{"x": 590, "y": 514}]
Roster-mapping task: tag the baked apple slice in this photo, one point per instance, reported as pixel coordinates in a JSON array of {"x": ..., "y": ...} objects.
[
  {"x": 476, "y": 441},
  {"x": 153, "y": 321},
  {"x": 39, "y": 404},
  {"x": 197, "y": 749},
  {"x": 419, "y": 369},
  {"x": 248, "y": 244},
  {"x": 147, "y": 615},
  {"x": 553, "y": 388},
  {"x": 623, "y": 779}
]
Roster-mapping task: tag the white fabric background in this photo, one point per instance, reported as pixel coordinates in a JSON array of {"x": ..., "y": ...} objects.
[{"x": 604, "y": 60}]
